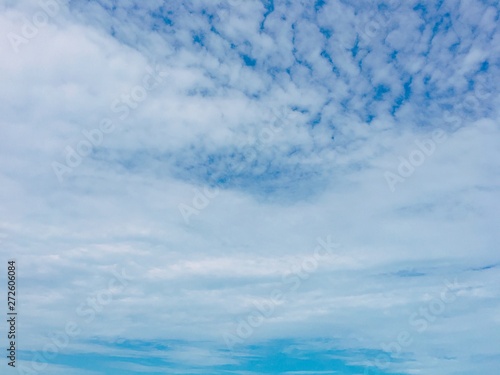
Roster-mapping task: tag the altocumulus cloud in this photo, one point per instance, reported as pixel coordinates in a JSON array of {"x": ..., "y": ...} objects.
[{"x": 357, "y": 90}]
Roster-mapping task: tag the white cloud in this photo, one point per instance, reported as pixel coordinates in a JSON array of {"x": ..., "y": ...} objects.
[{"x": 322, "y": 174}]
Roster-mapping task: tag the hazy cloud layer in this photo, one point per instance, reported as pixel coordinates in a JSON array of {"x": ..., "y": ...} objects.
[{"x": 168, "y": 166}]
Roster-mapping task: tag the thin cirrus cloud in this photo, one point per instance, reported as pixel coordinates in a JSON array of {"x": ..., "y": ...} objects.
[{"x": 293, "y": 115}]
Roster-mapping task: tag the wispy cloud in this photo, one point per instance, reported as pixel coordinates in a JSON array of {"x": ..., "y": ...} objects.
[{"x": 279, "y": 122}]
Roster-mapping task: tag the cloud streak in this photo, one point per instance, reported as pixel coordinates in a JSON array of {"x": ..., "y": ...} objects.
[{"x": 278, "y": 123}]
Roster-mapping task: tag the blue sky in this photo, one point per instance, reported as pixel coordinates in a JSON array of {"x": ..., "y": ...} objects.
[{"x": 174, "y": 176}]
